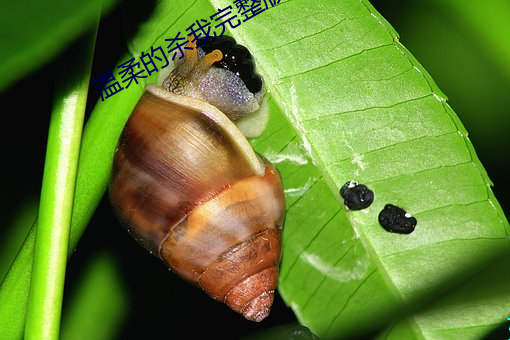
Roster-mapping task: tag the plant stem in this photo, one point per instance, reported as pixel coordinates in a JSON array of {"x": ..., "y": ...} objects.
[
  {"x": 100, "y": 137},
  {"x": 57, "y": 195}
]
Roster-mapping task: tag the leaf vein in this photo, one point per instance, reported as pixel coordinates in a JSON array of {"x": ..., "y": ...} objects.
[
  {"x": 347, "y": 301},
  {"x": 309, "y": 242},
  {"x": 324, "y": 278},
  {"x": 368, "y": 108},
  {"x": 435, "y": 243},
  {"x": 304, "y": 37},
  {"x": 398, "y": 144},
  {"x": 336, "y": 61}
]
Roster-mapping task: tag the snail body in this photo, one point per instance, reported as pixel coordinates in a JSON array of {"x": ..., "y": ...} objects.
[{"x": 188, "y": 186}]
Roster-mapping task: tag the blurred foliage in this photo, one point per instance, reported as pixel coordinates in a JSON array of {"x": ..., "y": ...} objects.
[
  {"x": 29, "y": 39},
  {"x": 99, "y": 303},
  {"x": 14, "y": 236}
]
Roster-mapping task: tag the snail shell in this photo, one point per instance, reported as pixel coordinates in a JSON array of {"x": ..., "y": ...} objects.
[{"x": 189, "y": 187}]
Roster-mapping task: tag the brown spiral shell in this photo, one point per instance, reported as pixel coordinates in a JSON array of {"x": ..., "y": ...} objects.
[{"x": 188, "y": 186}]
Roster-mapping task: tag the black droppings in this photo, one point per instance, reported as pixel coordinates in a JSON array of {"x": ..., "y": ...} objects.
[
  {"x": 396, "y": 220},
  {"x": 356, "y": 196}
]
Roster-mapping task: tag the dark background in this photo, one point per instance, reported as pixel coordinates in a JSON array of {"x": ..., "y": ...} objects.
[{"x": 159, "y": 302}]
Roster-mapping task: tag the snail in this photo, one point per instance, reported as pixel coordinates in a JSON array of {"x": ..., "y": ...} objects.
[{"x": 188, "y": 186}]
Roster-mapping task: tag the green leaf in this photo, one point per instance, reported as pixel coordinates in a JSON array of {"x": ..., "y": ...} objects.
[
  {"x": 29, "y": 38},
  {"x": 368, "y": 111},
  {"x": 365, "y": 109},
  {"x": 347, "y": 101}
]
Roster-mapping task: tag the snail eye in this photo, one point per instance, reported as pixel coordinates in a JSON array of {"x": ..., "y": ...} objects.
[{"x": 236, "y": 58}]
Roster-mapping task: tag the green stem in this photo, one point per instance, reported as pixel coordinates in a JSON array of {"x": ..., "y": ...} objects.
[
  {"x": 57, "y": 195},
  {"x": 100, "y": 137}
]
